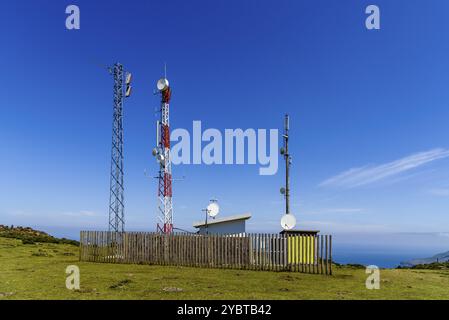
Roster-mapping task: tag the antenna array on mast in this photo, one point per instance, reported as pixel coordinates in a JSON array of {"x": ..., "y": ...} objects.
[{"x": 162, "y": 154}]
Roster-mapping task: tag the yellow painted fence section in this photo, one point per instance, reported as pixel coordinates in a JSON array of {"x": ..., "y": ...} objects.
[{"x": 301, "y": 249}]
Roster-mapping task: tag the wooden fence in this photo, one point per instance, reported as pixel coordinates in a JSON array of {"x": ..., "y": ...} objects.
[{"x": 299, "y": 253}]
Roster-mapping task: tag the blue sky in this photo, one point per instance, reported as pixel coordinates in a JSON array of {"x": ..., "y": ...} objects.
[{"x": 369, "y": 110}]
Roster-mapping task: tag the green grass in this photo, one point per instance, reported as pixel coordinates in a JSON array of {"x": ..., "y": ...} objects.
[{"x": 37, "y": 271}]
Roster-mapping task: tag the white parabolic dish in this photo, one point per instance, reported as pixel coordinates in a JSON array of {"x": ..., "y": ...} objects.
[
  {"x": 162, "y": 84},
  {"x": 213, "y": 209},
  {"x": 288, "y": 222}
]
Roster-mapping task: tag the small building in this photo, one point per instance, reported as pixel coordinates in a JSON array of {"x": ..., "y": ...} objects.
[
  {"x": 301, "y": 245},
  {"x": 226, "y": 225}
]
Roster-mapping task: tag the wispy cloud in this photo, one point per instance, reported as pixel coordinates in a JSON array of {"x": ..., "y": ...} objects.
[
  {"x": 443, "y": 234},
  {"x": 356, "y": 177},
  {"x": 83, "y": 213},
  {"x": 344, "y": 210},
  {"x": 439, "y": 192},
  {"x": 336, "y": 211}
]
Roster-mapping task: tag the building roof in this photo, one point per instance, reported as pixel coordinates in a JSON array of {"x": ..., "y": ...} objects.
[
  {"x": 308, "y": 232},
  {"x": 211, "y": 221}
]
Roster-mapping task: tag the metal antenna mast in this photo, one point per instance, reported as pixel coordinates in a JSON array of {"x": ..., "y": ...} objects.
[
  {"x": 162, "y": 154},
  {"x": 116, "y": 197},
  {"x": 284, "y": 151}
]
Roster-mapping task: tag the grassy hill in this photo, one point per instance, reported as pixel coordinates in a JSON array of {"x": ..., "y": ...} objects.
[
  {"x": 37, "y": 271},
  {"x": 30, "y": 236}
]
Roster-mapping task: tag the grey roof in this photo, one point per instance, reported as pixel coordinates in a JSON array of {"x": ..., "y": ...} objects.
[{"x": 210, "y": 221}]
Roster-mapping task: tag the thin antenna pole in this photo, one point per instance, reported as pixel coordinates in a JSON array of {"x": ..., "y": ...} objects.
[{"x": 287, "y": 165}]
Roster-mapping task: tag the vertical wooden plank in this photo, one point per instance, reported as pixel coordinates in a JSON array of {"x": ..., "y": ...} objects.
[
  {"x": 276, "y": 252},
  {"x": 234, "y": 250},
  {"x": 301, "y": 252},
  {"x": 262, "y": 249},
  {"x": 330, "y": 254},
  {"x": 291, "y": 253},
  {"x": 192, "y": 250},
  {"x": 305, "y": 254},
  {"x": 181, "y": 252},
  {"x": 226, "y": 250},
  {"x": 265, "y": 251},
  {"x": 310, "y": 256},
  {"x": 211, "y": 250},
  {"x": 243, "y": 251},
  {"x": 315, "y": 255},
  {"x": 273, "y": 252},
  {"x": 270, "y": 252},
  {"x": 196, "y": 249},
  {"x": 259, "y": 251},
  {"x": 327, "y": 254},
  {"x": 285, "y": 240},
  {"x": 205, "y": 240},
  {"x": 236, "y": 247},
  {"x": 256, "y": 251},
  {"x": 152, "y": 256},
  {"x": 186, "y": 250},
  {"x": 298, "y": 244},
  {"x": 230, "y": 251},
  {"x": 207, "y": 259},
  {"x": 216, "y": 252},
  {"x": 220, "y": 241},
  {"x": 250, "y": 252}
]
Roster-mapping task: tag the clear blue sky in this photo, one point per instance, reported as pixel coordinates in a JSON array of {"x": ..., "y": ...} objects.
[{"x": 359, "y": 100}]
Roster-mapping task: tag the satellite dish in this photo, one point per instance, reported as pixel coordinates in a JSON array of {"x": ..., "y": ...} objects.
[
  {"x": 161, "y": 158},
  {"x": 154, "y": 152},
  {"x": 213, "y": 209},
  {"x": 282, "y": 151},
  {"x": 288, "y": 222},
  {"x": 282, "y": 190},
  {"x": 162, "y": 84}
]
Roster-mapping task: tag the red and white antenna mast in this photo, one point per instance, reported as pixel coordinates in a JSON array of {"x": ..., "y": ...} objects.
[{"x": 162, "y": 154}]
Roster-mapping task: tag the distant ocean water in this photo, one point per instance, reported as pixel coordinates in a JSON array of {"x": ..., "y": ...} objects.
[
  {"x": 380, "y": 259},
  {"x": 382, "y": 250}
]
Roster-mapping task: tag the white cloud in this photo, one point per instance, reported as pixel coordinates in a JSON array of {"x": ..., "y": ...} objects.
[{"x": 356, "y": 177}]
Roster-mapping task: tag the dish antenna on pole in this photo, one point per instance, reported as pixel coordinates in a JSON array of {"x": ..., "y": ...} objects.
[
  {"x": 163, "y": 84},
  {"x": 288, "y": 222},
  {"x": 213, "y": 209}
]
